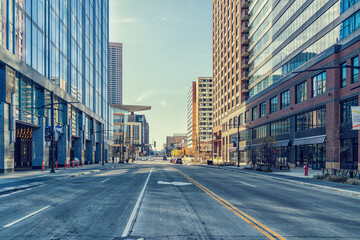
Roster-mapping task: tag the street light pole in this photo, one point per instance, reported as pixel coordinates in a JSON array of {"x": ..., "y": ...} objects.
[
  {"x": 103, "y": 157},
  {"x": 52, "y": 132},
  {"x": 238, "y": 140}
]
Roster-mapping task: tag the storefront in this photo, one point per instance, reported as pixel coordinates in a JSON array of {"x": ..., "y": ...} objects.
[
  {"x": 349, "y": 153},
  {"x": 23, "y": 147},
  {"x": 311, "y": 151}
]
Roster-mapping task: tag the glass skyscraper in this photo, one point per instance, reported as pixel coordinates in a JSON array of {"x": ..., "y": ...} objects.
[
  {"x": 284, "y": 35},
  {"x": 59, "y": 46}
]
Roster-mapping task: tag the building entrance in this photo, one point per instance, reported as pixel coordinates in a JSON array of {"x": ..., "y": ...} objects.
[{"x": 23, "y": 147}]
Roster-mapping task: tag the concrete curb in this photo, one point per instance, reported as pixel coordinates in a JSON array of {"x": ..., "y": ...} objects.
[
  {"x": 29, "y": 186},
  {"x": 348, "y": 192}
]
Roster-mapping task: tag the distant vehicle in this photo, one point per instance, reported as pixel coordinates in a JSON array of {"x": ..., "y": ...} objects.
[
  {"x": 178, "y": 161},
  {"x": 164, "y": 158}
]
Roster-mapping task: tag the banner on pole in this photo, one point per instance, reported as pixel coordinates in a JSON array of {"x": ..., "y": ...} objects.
[{"x": 355, "y": 115}]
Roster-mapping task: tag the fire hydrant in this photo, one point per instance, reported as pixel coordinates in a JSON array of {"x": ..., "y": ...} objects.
[{"x": 306, "y": 169}]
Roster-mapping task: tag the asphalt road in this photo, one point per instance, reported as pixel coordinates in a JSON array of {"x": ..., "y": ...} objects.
[{"x": 157, "y": 200}]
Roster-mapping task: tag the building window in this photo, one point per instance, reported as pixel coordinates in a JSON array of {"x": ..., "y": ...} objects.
[
  {"x": 319, "y": 84},
  {"x": 285, "y": 99},
  {"x": 245, "y": 135},
  {"x": 241, "y": 119},
  {"x": 301, "y": 93},
  {"x": 310, "y": 120},
  {"x": 343, "y": 76},
  {"x": 346, "y": 109},
  {"x": 263, "y": 109},
  {"x": 273, "y": 104},
  {"x": 259, "y": 132},
  {"x": 255, "y": 113},
  {"x": 280, "y": 127},
  {"x": 247, "y": 117},
  {"x": 355, "y": 72}
]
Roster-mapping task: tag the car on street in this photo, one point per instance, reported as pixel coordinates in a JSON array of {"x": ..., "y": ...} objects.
[
  {"x": 178, "y": 161},
  {"x": 164, "y": 158}
]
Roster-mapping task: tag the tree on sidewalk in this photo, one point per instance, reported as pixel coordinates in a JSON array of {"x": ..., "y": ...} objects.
[{"x": 267, "y": 152}]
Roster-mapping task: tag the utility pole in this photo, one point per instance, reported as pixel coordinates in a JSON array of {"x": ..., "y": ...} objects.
[{"x": 52, "y": 132}]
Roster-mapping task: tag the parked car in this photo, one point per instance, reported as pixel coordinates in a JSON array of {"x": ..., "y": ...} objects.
[
  {"x": 164, "y": 158},
  {"x": 178, "y": 161}
]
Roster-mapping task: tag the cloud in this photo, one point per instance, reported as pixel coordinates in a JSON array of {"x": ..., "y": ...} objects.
[
  {"x": 165, "y": 19},
  {"x": 123, "y": 20},
  {"x": 145, "y": 95},
  {"x": 164, "y": 103}
]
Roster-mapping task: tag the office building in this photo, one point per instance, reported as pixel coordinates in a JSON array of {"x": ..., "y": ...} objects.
[
  {"x": 137, "y": 134},
  {"x": 178, "y": 140},
  {"x": 58, "y": 47},
  {"x": 115, "y": 73},
  {"x": 130, "y": 130},
  {"x": 296, "y": 86}
]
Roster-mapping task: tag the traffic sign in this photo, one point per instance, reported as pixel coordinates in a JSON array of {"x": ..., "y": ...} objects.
[
  {"x": 59, "y": 129},
  {"x": 48, "y": 133}
]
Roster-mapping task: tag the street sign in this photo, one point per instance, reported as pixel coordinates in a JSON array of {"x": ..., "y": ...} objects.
[
  {"x": 59, "y": 129},
  {"x": 355, "y": 115},
  {"x": 48, "y": 133}
]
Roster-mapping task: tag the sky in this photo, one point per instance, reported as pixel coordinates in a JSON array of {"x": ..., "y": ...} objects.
[{"x": 166, "y": 45}]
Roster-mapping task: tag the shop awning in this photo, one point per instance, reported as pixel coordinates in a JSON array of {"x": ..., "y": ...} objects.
[
  {"x": 244, "y": 148},
  {"x": 309, "y": 140},
  {"x": 283, "y": 143},
  {"x": 255, "y": 146}
]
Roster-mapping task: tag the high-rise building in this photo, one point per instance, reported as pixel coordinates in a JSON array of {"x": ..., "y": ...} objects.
[
  {"x": 115, "y": 73},
  {"x": 200, "y": 115},
  {"x": 60, "y": 47},
  {"x": 297, "y": 80},
  {"x": 230, "y": 50},
  {"x": 191, "y": 117}
]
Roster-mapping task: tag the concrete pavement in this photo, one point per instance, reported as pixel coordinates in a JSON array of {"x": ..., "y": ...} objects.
[{"x": 158, "y": 200}]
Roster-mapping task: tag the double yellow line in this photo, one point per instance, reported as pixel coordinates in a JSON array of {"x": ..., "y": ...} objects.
[{"x": 255, "y": 224}]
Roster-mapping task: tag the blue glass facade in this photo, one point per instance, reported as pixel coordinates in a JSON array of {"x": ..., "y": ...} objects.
[
  {"x": 286, "y": 34},
  {"x": 66, "y": 42}
]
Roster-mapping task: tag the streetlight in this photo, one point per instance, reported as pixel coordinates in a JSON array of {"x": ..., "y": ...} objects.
[{"x": 52, "y": 126}]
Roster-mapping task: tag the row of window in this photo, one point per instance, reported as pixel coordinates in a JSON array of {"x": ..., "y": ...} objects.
[{"x": 304, "y": 121}]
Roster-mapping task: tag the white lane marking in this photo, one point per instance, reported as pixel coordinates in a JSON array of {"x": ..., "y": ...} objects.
[
  {"x": 22, "y": 190},
  {"x": 105, "y": 180},
  {"x": 174, "y": 183},
  {"x": 27, "y": 216},
  {"x": 136, "y": 209},
  {"x": 247, "y": 184}
]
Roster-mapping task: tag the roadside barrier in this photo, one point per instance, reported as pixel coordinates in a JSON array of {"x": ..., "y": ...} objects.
[{"x": 42, "y": 166}]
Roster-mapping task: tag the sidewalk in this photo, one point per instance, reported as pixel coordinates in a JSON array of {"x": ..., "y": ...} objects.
[
  {"x": 36, "y": 174},
  {"x": 296, "y": 176}
]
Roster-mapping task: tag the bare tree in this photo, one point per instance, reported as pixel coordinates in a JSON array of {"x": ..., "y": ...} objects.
[{"x": 267, "y": 148}]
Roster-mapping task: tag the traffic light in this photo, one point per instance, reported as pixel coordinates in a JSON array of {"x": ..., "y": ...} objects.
[{"x": 154, "y": 144}]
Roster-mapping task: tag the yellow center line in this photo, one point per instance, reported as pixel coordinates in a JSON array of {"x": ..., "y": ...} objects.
[{"x": 251, "y": 221}]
